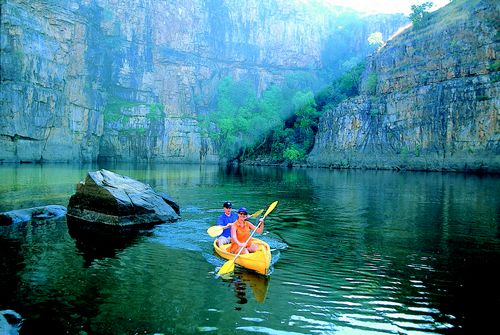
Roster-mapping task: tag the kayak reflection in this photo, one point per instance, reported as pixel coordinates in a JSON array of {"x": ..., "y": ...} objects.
[{"x": 241, "y": 280}]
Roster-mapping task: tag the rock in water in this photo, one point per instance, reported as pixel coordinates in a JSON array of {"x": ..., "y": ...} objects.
[
  {"x": 35, "y": 213},
  {"x": 10, "y": 322},
  {"x": 112, "y": 199}
]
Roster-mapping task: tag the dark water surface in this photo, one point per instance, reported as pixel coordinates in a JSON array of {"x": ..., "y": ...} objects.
[{"x": 355, "y": 252}]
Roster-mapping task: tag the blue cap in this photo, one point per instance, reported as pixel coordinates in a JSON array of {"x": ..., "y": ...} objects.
[{"x": 243, "y": 210}]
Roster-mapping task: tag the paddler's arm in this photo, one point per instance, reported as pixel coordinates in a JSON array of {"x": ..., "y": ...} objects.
[{"x": 261, "y": 226}]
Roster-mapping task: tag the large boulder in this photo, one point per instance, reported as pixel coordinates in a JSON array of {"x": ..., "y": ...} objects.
[{"x": 109, "y": 198}]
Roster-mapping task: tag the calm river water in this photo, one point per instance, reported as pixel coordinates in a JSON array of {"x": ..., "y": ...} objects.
[{"x": 354, "y": 252}]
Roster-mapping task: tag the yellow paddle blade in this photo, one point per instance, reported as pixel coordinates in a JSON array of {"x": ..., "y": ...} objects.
[
  {"x": 271, "y": 207},
  {"x": 215, "y": 230},
  {"x": 259, "y": 212},
  {"x": 228, "y": 267}
]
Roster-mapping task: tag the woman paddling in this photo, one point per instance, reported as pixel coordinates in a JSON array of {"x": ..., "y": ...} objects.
[{"x": 240, "y": 232}]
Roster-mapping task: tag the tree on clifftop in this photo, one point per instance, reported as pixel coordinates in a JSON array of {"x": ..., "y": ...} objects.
[{"x": 419, "y": 13}]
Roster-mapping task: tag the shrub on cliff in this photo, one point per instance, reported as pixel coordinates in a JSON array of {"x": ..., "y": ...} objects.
[
  {"x": 347, "y": 85},
  {"x": 419, "y": 14}
]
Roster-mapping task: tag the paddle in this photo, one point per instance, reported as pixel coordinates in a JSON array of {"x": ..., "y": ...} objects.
[
  {"x": 217, "y": 230},
  {"x": 229, "y": 265}
]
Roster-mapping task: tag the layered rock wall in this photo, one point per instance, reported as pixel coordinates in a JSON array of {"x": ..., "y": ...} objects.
[
  {"x": 126, "y": 80},
  {"x": 45, "y": 112},
  {"x": 431, "y": 99}
]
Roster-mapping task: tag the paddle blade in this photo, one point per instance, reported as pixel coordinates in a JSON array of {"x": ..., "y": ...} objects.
[
  {"x": 271, "y": 207},
  {"x": 215, "y": 230},
  {"x": 259, "y": 212},
  {"x": 228, "y": 267}
]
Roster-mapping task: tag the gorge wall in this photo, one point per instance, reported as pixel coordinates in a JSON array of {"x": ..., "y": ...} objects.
[
  {"x": 430, "y": 99},
  {"x": 120, "y": 80}
]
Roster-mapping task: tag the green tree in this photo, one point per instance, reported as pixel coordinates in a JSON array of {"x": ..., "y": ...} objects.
[
  {"x": 293, "y": 154},
  {"x": 419, "y": 13},
  {"x": 307, "y": 118},
  {"x": 341, "y": 88},
  {"x": 232, "y": 119}
]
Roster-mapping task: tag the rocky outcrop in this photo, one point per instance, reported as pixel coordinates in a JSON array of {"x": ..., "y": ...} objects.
[
  {"x": 32, "y": 214},
  {"x": 430, "y": 99},
  {"x": 127, "y": 80},
  {"x": 111, "y": 199},
  {"x": 10, "y": 322}
]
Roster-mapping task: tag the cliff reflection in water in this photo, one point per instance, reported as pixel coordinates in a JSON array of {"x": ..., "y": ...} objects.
[{"x": 359, "y": 252}]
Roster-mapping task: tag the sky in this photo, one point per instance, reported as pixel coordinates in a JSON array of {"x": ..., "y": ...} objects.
[{"x": 386, "y": 6}]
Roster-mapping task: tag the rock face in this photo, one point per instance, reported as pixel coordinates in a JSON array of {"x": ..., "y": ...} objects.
[
  {"x": 112, "y": 199},
  {"x": 126, "y": 80},
  {"x": 431, "y": 99}
]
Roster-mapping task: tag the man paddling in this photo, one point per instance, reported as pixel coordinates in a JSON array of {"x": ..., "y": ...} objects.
[{"x": 225, "y": 220}]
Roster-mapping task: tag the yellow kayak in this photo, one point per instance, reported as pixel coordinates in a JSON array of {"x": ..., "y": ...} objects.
[{"x": 258, "y": 261}]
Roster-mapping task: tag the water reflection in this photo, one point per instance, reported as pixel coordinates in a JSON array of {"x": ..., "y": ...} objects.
[
  {"x": 358, "y": 252},
  {"x": 101, "y": 242},
  {"x": 243, "y": 281},
  {"x": 12, "y": 263}
]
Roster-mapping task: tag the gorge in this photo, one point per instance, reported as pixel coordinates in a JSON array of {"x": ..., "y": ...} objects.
[{"x": 129, "y": 80}]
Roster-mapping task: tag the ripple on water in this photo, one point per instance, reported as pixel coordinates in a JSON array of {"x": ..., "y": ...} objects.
[
  {"x": 207, "y": 329},
  {"x": 266, "y": 330},
  {"x": 362, "y": 296}
]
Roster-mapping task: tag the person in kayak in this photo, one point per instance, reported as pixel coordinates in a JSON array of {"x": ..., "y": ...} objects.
[
  {"x": 240, "y": 232},
  {"x": 225, "y": 220}
]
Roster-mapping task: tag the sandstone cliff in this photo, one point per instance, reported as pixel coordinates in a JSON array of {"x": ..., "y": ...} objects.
[
  {"x": 430, "y": 99},
  {"x": 126, "y": 80}
]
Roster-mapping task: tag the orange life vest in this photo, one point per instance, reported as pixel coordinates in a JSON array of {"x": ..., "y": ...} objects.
[{"x": 242, "y": 233}]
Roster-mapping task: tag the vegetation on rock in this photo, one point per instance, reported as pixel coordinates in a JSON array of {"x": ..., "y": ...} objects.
[{"x": 278, "y": 126}]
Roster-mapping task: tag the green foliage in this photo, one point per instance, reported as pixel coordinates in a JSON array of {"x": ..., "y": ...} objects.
[
  {"x": 342, "y": 88},
  {"x": 418, "y": 149},
  {"x": 114, "y": 107},
  {"x": 280, "y": 124},
  {"x": 155, "y": 112},
  {"x": 403, "y": 153},
  {"x": 306, "y": 122},
  {"x": 132, "y": 132},
  {"x": 293, "y": 154},
  {"x": 371, "y": 83},
  {"x": 419, "y": 14},
  {"x": 495, "y": 66},
  {"x": 113, "y": 112},
  {"x": 240, "y": 118},
  {"x": 244, "y": 125}
]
